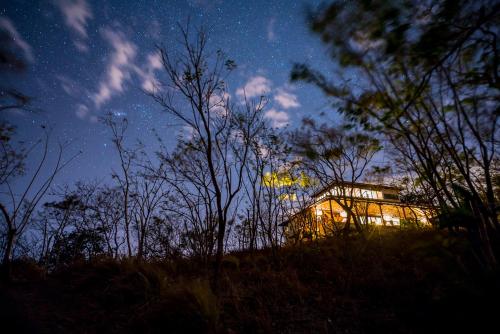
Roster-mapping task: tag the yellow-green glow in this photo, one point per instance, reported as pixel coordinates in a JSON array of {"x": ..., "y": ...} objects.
[
  {"x": 288, "y": 197},
  {"x": 285, "y": 179}
]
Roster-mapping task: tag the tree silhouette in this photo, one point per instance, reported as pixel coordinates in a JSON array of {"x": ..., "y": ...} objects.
[
  {"x": 17, "y": 209},
  {"x": 424, "y": 75},
  {"x": 195, "y": 94}
]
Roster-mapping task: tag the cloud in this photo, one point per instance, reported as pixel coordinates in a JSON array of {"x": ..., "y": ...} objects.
[
  {"x": 69, "y": 86},
  {"x": 217, "y": 104},
  {"x": 278, "y": 119},
  {"x": 81, "y": 46},
  {"x": 187, "y": 132},
  {"x": 153, "y": 30},
  {"x": 285, "y": 99},
  {"x": 76, "y": 13},
  {"x": 263, "y": 150},
  {"x": 256, "y": 86},
  {"x": 119, "y": 68},
  {"x": 122, "y": 65},
  {"x": 82, "y": 111},
  {"x": 271, "y": 35},
  {"x": 15, "y": 37},
  {"x": 147, "y": 74}
]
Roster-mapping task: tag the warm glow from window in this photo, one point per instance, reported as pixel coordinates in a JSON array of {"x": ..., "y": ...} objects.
[{"x": 351, "y": 192}]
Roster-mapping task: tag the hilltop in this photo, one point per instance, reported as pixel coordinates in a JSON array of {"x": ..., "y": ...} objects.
[{"x": 388, "y": 281}]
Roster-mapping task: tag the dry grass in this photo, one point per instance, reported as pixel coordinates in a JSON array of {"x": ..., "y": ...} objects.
[{"x": 398, "y": 282}]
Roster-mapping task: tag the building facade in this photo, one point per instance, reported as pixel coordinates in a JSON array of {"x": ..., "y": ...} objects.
[{"x": 363, "y": 203}]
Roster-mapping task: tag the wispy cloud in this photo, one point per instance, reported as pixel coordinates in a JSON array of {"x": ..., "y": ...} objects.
[
  {"x": 123, "y": 65},
  {"x": 119, "y": 67},
  {"x": 278, "y": 118},
  {"x": 255, "y": 86},
  {"x": 69, "y": 86},
  {"x": 147, "y": 73},
  {"x": 286, "y": 99},
  {"x": 16, "y": 38},
  {"x": 218, "y": 104},
  {"x": 81, "y": 111},
  {"x": 153, "y": 30},
  {"x": 76, "y": 13},
  {"x": 271, "y": 35},
  {"x": 187, "y": 132}
]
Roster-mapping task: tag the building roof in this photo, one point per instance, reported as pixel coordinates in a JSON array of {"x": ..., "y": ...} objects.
[{"x": 361, "y": 185}]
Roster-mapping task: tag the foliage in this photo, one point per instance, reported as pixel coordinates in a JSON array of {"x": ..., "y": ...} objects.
[
  {"x": 77, "y": 246},
  {"x": 422, "y": 75},
  {"x": 11, "y": 159},
  {"x": 456, "y": 218},
  {"x": 336, "y": 155}
]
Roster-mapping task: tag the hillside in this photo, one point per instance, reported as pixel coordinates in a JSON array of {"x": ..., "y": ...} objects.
[{"x": 392, "y": 281}]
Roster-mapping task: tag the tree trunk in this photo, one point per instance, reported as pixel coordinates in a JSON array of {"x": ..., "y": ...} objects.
[
  {"x": 127, "y": 220},
  {"x": 220, "y": 252},
  {"x": 6, "y": 262}
]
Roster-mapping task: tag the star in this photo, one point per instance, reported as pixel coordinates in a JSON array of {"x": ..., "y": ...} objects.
[{"x": 87, "y": 65}]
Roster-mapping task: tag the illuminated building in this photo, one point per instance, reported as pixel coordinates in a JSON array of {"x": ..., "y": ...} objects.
[{"x": 369, "y": 204}]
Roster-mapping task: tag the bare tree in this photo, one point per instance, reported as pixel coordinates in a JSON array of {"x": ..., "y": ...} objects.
[
  {"x": 148, "y": 196},
  {"x": 273, "y": 185},
  {"x": 90, "y": 211},
  {"x": 338, "y": 158},
  {"x": 11, "y": 158},
  {"x": 164, "y": 238},
  {"x": 107, "y": 211},
  {"x": 53, "y": 221},
  {"x": 124, "y": 176},
  {"x": 196, "y": 95},
  {"x": 17, "y": 209},
  {"x": 191, "y": 202}
]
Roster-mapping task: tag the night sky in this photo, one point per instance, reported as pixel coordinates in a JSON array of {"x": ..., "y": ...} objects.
[{"x": 88, "y": 58}]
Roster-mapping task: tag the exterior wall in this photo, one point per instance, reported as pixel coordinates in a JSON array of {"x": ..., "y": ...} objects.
[
  {"x": 392, "y": 213},
  {"x": 327, "y": 217}
]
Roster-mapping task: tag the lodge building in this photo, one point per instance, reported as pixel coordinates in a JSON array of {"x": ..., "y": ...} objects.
[{"x": 369, "y": 203}]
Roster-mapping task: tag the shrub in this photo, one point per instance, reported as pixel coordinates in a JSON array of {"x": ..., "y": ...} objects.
[
  {"x": 231, "y": 262},
  {"x": 189, "y": 307}
]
